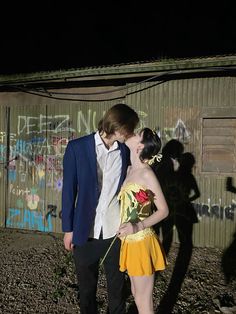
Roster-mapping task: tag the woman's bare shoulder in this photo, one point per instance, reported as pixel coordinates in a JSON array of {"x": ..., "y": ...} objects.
[{"x": 149, "y": 176}]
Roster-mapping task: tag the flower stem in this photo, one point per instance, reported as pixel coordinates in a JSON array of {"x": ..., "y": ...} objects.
[{"x": 108, "y": 250}]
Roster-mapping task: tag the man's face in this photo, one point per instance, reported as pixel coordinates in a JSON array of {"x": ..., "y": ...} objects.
[{"x": 122, "y": 137}]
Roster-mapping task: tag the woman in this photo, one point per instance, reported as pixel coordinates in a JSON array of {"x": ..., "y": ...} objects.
[{"x": 141, "y": 254}]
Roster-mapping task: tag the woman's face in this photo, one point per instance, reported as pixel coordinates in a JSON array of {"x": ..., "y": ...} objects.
[{"x": 134, "y": 141}]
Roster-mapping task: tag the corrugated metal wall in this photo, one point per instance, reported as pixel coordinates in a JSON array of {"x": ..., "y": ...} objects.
[
  {"x": 3, "y": 154},
  {"x": 176, "y": 109},
  {"x": 26, "y": 187},
  {"x": 40, "y": 129}
]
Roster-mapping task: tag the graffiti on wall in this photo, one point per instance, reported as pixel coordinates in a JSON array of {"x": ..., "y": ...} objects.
[
  {"x": 179, "y": 132},
  {"x": 216, "y": 210},
  {"x": 35, "y": 170},
  {"x": 26, "y": 218}
]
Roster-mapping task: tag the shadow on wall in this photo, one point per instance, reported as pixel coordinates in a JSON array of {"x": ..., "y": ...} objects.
[
  {"x": 180, "y": 189},
  {"x": 228, "y": 261}
]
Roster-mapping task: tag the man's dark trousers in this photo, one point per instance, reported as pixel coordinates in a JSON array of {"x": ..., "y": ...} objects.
[{"x": 87, "y": 259}]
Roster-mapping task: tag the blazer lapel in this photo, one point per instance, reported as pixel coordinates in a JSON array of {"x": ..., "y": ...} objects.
[
  {"x": 92, "y": 156},
  {"x": 125, "y": 163}
]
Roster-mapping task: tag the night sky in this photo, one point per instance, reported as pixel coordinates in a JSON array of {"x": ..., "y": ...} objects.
[{"x": 50, "y": 36}]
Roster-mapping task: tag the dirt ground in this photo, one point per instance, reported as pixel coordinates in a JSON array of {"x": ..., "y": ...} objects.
[{"x": 37, "y": 276}]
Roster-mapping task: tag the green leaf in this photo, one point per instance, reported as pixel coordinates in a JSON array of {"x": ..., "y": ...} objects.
[
  {"x": 128, "y": 212},
  {"x": 129, "y": 196},
  {"x": 133, "y": 215}
]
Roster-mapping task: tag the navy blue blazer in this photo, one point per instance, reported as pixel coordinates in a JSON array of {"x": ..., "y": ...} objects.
[{"x": 80, "y": 192}]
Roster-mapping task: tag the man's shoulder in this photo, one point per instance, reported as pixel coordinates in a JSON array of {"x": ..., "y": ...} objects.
[{"x": 81, "y": 140}]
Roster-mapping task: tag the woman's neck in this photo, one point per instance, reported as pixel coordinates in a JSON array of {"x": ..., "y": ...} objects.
[{"x": 136, "y": 163}]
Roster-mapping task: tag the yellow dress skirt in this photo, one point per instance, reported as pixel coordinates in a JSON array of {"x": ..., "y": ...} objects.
[{"x": 141, "y": 253}]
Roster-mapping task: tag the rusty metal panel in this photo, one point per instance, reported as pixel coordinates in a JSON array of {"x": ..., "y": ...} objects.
[
  {"x": 175, "y": 108},
  {"x": 3, "y": 163},
  {"x": 216, "y": 212},
  {"x": 40, "y": 128},
  {"x": 218, "y": 145},
  {"x": 25, "y": 206}
]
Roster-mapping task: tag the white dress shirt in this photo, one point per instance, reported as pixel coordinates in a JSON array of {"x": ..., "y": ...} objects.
[{"x": 107, "y": 219}]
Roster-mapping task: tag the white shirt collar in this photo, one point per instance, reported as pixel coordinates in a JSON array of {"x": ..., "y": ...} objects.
[{"x": 99, "y": 141}]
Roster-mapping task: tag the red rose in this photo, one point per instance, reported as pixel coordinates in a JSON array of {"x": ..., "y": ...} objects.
[{"x": 141, "y": 196}]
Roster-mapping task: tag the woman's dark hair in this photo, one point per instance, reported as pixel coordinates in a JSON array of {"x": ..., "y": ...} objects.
[
  {"x": 152, "y": 144},
  {"x": 120, "y": 118}
]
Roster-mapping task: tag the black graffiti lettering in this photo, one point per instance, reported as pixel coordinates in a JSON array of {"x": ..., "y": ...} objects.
[
  {"x": 229, "y": 212},
  {"x": 215, "y": 211},
  {"x": 52, "y": 210},
  {"x": 205, "y": 210},
  {"x": 222, "y": 212}
]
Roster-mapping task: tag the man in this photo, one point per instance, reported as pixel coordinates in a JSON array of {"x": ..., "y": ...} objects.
[{"x": 94, "y": 169}]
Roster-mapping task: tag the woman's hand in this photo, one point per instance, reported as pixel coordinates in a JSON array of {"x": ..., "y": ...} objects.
[
  {"x": 125, "y": 229},
  {"x": 129, "y": 228}
]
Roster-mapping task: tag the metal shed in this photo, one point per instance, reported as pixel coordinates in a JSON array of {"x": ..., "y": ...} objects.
[{"x": 192, "y": 100}]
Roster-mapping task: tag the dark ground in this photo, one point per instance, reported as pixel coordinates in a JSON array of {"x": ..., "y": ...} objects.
[{"x": 37, "y": 276}]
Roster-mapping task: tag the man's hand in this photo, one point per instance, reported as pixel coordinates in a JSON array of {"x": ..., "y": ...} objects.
[{"x": 68, "y": 241}]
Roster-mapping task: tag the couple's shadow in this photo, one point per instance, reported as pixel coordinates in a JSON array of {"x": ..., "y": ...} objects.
[{"x": 180, "y": 189}]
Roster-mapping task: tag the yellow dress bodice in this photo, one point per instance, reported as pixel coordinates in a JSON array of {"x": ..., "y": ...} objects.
[{"x": 136, "y": 203}]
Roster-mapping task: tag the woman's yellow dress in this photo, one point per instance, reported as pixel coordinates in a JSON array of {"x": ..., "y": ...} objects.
[{"x": 141, "y": 253}]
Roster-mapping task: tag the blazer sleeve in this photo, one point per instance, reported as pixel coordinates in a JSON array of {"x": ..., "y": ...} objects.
[{"x": 69, "y": 189}]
